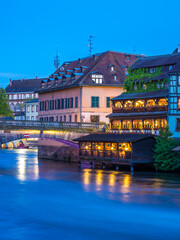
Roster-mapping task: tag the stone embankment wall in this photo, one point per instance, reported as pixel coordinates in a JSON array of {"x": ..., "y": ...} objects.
[{"x": 52, "y": 150}]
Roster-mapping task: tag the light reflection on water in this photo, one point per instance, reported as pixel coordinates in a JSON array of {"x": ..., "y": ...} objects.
[
  {"x": 43, "y": 199},
  {"x": 26, "y": 169}
]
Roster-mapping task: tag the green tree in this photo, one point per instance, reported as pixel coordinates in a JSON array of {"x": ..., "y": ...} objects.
[
  {"x": 5, "y": 110},
  {"x": 165, "y": 158}
]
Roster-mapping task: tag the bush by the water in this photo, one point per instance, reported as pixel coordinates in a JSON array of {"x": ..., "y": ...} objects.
[{"x": 165, "y": 158}]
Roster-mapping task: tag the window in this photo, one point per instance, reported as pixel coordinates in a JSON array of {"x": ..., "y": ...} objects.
[
  {"x": 60, "y": 119},
  {"x": 75, "y": 118},
  {"x": 36, "y": 118},
  {"x": 47, "y": 105},
  {"x": 139, "y": 103},
  {"x": 28, "y": 109},
  {"x": 151, "y": 70},
  {"x": 128, "y": 104},
  {"x": 95, "y": 118},
  {"x": 178, "y": 103},
  {"x": 118, "y": 105},
  {"x": 157, "y": 85},
  {"x": 18, "y": 108},
  {"x": 108, "y": 102},
  {"x": 150, "y": 103},
  {"x": 32, "y": 118},
  {"x": 162, "y": 102},
  {"x": 70, "y": 118},
  {"x": 112, "y": 68},
  {"x": 178, "y": 80},
  {"x": 56, "y": 118},
  {"x": 76, "y": 102},
  {"x": 115, "y": 77},
  {"x": 36, "y": 108},
  {"x": 64, "y": 118},
  {"x": 178, "y": 123},
  {"x": 27, "y": 117},
  {"x": 32, "y": 108},
  {"x": 170, "y": 67},
  {"x": 97, "y": 78},
  {"x": 144, "y": 86},
  {"x": 94, "y": 101}
]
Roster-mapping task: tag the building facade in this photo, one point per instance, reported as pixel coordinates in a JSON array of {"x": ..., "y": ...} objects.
[
  {"x": 31, "y": 110},
  {"x": 20, "y": 91},
  {"x": 80, "y": 91},
  {"x": 152, "y": 98}
]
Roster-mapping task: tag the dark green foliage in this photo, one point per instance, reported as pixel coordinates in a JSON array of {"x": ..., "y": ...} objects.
[
  {"x": 138, "y": 76},
  {"x": 165, "y": 158},
  {"x": 4, "y": 106}
]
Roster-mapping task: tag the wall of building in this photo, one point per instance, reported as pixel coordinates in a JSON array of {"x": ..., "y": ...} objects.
[
  {"x": 102, "y": 111},
  {"x": 65, "y": 93},
  {"x": 31, "y": 111},
  {"x": 84, "y": 95}
]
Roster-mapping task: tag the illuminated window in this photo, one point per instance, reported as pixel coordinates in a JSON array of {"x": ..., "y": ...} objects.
[
  {"x": 148, "y": 123},
  {"x": 139, "y": 103},
  {"x": 128, "y": 104},
  {"x": 97, "y": 78},
  {"x": 150, "y": 103},
  {"x": 178, "y": 80},
  {"x": 126, "y": 124},
  {"x": 178, "y": 103},
  {"x": 137, "y": 124},
  {"x": 118, "y": 105},
  {"x": 115, "y": 77},
  {"x": 116, "y": 124},
  {"x": 162, "y": 102}
]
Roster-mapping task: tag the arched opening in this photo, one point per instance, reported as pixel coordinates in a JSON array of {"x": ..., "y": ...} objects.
[
  {"x": 139, "y": 104},
  {"x": 128, "y": 104},
  {"x": 150, "y": 103},
  {"x": 118, "y": 105},
  {"x": 162, "y": 102}
]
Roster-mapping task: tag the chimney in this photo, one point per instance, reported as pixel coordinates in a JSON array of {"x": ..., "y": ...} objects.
[
  {"x": 179, "y": 48},
  {"x": 95, "y": 57},
  {"x": 10, "y": 83},
  {"x": 36, "y": 77},
  {"x": 80, "y": 60}
]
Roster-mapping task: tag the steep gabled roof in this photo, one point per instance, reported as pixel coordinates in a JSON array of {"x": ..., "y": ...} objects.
[
  {"x": 157, "y": 61},
  {"x": 24, "y": 85},
  {"x": 85, "y": 67}
]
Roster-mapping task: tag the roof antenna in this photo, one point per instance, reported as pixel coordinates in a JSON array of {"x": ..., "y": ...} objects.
[
  {"x": 90, "y": 44},
  {"x": 56, "y": 60},
  {"x": 134, "y": 49}
]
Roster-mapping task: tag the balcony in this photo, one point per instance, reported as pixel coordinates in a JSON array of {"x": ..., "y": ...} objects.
[{"x": 140, "y": 109}]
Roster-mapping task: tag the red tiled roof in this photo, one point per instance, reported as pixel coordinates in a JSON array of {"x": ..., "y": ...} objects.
[{"x": 99, "y": 63}]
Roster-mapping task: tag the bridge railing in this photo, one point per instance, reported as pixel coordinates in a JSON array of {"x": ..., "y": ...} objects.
[{"x": 50, "y": 125}]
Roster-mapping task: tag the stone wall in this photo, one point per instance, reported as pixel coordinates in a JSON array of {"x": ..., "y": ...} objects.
[{"x": 52, "y": 150}]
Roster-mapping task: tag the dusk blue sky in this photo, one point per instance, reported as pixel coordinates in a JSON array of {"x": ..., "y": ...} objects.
[{"x": 31, "y": 30}]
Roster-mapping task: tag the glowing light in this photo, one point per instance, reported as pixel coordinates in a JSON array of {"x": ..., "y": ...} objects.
[
  {"x": 112, "y": 179},
  {"x": 98, "y": 180},
  {"x": 99, "y": 147},
  {"x": 86, "y": 177},
  {"x": 112, "y": 148},
  {"x": 86, "y": 147}
]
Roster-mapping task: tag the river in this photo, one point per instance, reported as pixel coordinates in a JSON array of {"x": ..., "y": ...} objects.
[{"x": 42, "y": 199}]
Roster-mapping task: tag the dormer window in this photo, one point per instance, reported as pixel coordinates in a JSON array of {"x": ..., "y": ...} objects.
[
  {"x": 151, "y": 70},
  {"x": 115, "y": 77},
  {"x": 97, "y": 78},
  {"x": 170, "y": 67}
]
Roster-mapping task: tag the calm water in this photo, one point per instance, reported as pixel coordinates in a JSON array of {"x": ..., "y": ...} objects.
[{"x": 52, "y": 200}]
